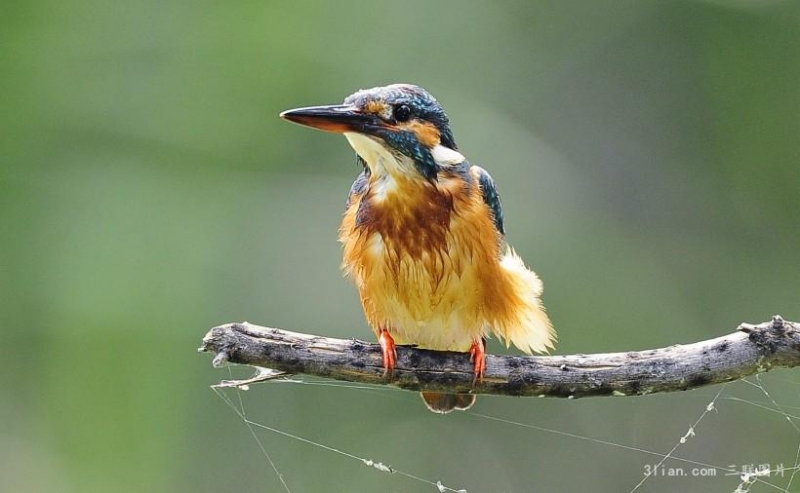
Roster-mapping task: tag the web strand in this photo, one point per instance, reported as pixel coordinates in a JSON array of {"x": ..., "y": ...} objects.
[
  {"x": 241, "y": 413},
  {"x": 747, "y": 479},
  {"x": 690, "y": 433},
  {"x": 380, "y": 466}
]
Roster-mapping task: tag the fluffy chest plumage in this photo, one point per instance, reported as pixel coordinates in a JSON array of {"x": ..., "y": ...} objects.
[{"x": 423, "y": 259}]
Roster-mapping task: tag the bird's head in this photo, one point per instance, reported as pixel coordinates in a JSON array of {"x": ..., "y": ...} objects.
[{"x": 397, "y": 130}]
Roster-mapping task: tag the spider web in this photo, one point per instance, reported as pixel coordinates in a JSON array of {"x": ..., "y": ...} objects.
[{"x": 657, "y": 470}]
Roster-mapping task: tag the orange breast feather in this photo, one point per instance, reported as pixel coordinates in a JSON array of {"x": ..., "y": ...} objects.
[{"x": 428, "y": 266}]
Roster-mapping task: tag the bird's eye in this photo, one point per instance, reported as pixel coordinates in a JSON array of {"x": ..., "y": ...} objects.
[{"x": 402, "y": 113}]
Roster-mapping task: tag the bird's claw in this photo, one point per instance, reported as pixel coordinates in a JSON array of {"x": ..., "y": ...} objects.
[
  {"x": 389, "y": 352},
  {"x": 477, "y": 355}
]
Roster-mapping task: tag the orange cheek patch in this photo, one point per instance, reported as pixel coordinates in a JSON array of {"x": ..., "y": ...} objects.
[
  {"x": 426, "y": 133},
  {"x": 375, "y": 107}
]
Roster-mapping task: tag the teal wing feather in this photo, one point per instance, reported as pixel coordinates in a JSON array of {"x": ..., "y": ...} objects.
[{"x": 491, "y": 197}]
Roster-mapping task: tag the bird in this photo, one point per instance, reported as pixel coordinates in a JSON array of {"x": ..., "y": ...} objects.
[{"x": 423, "y": 236}]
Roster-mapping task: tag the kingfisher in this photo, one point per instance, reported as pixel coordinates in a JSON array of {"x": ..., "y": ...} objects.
[{"x": 423, "y": 236}]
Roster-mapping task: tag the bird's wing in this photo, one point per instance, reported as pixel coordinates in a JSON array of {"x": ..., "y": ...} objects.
[
  {"x": 360, "y": 185},
  {"x": 490, "y": 196}
]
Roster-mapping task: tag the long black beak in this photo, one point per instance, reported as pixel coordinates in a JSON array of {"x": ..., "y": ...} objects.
[{"x": 335, "y": 118}]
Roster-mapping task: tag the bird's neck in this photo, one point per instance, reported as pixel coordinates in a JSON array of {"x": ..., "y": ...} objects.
[{"x": 390, "y": 166}]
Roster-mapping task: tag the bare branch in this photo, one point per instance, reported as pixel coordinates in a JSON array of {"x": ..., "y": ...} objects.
[{"x": 751, "y": 349}]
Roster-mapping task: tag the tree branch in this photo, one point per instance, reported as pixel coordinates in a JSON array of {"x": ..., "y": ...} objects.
[{"x": 751, "y": 349}]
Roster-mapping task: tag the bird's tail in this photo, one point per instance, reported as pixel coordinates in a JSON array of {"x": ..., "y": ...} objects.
[
  {"x": 524, "y": 323},
  {"x": 444, "y": 403}
]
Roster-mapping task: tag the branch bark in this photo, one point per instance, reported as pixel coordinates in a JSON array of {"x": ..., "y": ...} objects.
[{"x": 750, "y": 349}]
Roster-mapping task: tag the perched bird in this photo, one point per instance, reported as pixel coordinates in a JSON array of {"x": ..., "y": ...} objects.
[{"x": 423, "y": 235}]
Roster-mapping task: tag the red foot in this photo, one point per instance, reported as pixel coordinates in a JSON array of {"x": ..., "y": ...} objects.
[
  {"x": 389, "y": 351},
  {"x": 477, "y": 354}
]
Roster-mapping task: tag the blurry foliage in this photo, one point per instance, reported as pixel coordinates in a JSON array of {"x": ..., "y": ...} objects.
[{"x": 647, "y": 154}]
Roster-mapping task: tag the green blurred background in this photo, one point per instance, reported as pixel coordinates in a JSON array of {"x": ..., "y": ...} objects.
[{"x": 647, "y": 154}]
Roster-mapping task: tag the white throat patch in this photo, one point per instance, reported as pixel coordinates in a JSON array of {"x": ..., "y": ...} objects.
[
  {"x": 381, "y": 160},
  {"x": 384, "y": 164}
]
